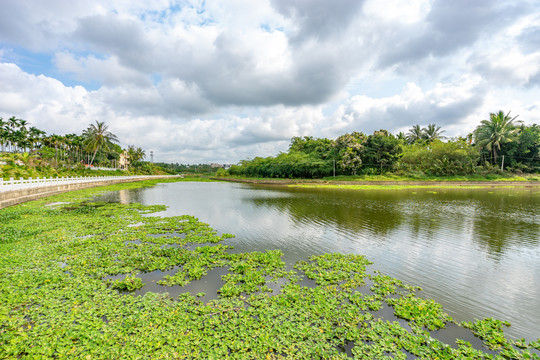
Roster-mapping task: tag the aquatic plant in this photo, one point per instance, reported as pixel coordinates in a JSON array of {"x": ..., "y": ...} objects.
[{"x": 66, "y": 271}]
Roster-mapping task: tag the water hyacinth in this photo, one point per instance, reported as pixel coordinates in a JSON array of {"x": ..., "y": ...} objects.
[{"x": 67, "y": 272}]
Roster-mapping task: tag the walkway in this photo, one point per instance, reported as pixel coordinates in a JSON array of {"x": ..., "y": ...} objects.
[{"x": 18, "y": 191}]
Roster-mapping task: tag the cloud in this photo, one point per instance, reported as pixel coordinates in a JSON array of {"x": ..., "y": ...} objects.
[
  {"x": 444, "y": 104},
  {"x": 122, "y": 36},
  {"x": 198, "y": 81},
  {"x": 90, "y": 69},
  {"x": 45, "y": 102},
  {"x": 447, "y": 28},
  {"x": 318, "y": 20},
  {"x": 529, "y": 39}
]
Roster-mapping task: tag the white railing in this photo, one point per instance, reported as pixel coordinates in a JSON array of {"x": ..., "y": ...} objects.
[{"x": 13, "y": 184}]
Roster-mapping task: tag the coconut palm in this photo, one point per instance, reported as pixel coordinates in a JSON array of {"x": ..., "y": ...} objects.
[
  {"x": 415, "y": 134},
  {"x": 97, "y": 136},
  {"x": 135, "y": 155},
  {"x": 496, "y": 131},
  {"x": 432, "y": 132}
]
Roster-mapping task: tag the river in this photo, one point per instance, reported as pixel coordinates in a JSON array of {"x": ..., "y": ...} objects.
[{"x": 475, "y": 251}]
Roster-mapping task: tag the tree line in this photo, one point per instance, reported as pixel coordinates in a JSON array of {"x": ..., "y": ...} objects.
[
  {"x": 499, "y": 143},
  {"x": 96, "y": 145}
]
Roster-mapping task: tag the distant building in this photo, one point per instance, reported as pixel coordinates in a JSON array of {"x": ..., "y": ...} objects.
[
  {"x": 214, "y": 165},
  {"x": 123, "y": 162}
]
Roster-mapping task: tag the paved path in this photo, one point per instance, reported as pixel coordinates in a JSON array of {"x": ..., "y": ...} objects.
[{"x": 12, "y": 193}]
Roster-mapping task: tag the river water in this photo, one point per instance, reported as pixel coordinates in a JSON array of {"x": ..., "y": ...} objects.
[{"x": 475, "y": 251}]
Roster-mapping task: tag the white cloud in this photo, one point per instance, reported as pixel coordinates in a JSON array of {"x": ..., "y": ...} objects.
[
  {"x": 444, "y": 103},
  {"x": 43, "y": 101},
  {"x": 397, "y": 11},
  {"x": 108, "y": 72},
  {"x": 205, "y": 81}
]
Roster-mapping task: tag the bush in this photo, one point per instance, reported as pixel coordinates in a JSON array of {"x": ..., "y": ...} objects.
[
  {"x": 441, "y": 158},
  {"x": 221, "y": 172}
]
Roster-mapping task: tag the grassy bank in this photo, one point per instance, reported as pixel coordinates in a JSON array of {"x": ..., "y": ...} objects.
[
  {"x": 347, "y": 183},
  {"x": 422, "y": 177},
  {"x": 389, "y": 187},
  {"x": 59, "y": 297},
  {"x": 393, "y": 178}
]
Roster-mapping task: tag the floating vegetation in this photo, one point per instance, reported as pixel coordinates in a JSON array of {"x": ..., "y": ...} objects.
[
  {"x": 68, "y": 272},
  {"x": 129, "y": 283}
]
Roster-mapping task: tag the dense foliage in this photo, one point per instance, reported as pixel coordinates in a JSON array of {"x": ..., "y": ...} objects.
[
  {"x": 176, "y": 168},
  {"x": 30, "y": 152},
  {"x": 497, "y": 144},
  {"x": 68, "y": 263}
]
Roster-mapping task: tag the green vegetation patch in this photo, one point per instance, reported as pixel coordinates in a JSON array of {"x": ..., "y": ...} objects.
[
  {"x": 388, "y": 187},
  {"x": 66, "y": 271}
]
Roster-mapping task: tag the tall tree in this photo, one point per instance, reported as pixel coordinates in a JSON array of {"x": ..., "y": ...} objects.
[
  {"x": 382, "y": 149},
  {"x": 432, "y": 132},
  {"x": 11, "y": 128},
  {"x": 415, "y": 134},
  {"x": 493, "y": 133},
  {"x": 97, "y": 136},
  {"x": 349, "y": 149},
  {"x": 3, "y": 133},
  {"x": 136, "y": 155},
  {"x": 35, "y": 136}
]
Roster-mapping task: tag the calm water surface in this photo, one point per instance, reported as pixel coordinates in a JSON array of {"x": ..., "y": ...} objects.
[{"x": 475, "y": 251}]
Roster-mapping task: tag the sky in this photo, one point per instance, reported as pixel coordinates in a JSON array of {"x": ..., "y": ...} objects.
[{"x": 219, "y": 81}]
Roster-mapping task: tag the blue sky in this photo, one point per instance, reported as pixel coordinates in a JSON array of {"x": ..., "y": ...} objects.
[{"x": 222, "y": 81}]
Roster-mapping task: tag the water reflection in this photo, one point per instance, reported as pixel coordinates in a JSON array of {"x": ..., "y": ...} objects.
[{"x": 477, "y": 252}]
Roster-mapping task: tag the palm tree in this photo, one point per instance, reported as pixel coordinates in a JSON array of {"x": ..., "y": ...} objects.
[
  {"x": 35, "y": 136},
  {"x": 135, "y": 155},
  {"x": 498, "y": 130},
  {"x": 432, "y": 132},
  {"x": 140, "y": 153},
  {"x": 54, "y": 141},
  {"x": 98, "y": 136},
  {"x": 11, "y": 128},
  {"x": 3, "y": 133},
  {"x": 415, "y": 134}
]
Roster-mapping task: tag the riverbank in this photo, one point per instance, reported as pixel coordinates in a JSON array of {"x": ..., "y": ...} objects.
[
  {"x": 68, "y": 264},
  {"x": 381, "y": 183}
]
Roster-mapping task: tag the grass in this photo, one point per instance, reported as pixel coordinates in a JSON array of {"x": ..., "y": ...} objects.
[
  {"x": 388, "y": 187},
  {"x": 394, "y": 177},
  {"x": 56, "y": 299},
  {"x": 406, "y": 178}
]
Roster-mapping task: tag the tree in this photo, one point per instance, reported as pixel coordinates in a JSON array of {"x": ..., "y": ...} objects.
[
  {"x": 34, "y": 136},
  {"x": 3, "y": 133},
  {"x": 320, "y": 148},
  {"x": 415, "y": 134},
  {"x": 349, "y": 152},
  {"x": 382, "y": 149},
  {"x": 493, "y": 133},
  {"x": 97, "y": 136},
  {"x": 524, "y": 152},
  {"x": 432, "y": 132},
  {"x": 136, "y": 155}
]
